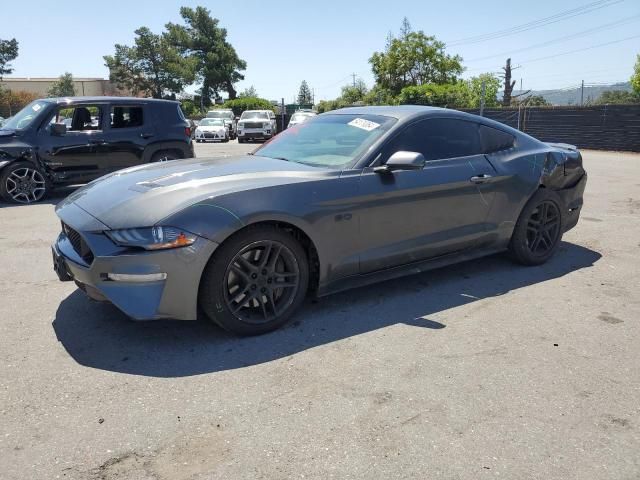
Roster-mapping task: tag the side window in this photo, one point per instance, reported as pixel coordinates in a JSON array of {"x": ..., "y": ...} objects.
[
  {"x": 494, "y": 140},
  {"x": 126, "y": 117},
  {"x": 79, "y": 118},
  {"x": 438, "y": 139}
]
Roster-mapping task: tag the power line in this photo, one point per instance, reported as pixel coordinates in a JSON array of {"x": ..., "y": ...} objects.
[
  {"x": 564, "y": 15},
  {"x": 561, "y": 39},
  {"x": 561, "y": 54}
]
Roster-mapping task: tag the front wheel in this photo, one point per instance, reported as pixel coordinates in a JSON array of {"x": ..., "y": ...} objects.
[
  {"x": 538, "y": 231},
  {"x": 255, "y": 281},
  {"x": 23, "y": 182},
  {"x": 164, "y": 156}
]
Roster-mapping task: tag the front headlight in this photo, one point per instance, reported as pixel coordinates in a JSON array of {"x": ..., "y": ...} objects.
[{"x": 151, "y": 238}]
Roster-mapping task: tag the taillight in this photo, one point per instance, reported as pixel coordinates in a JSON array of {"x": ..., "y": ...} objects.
[{"x": 187, "y": 131}]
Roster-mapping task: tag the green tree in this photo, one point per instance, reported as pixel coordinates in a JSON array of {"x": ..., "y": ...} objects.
[
  {"x": 152, "y": 66},
  {"x": 619, "y": 97},
  {"x": 414, "y": 59},
  {"x": 63, "y": 87},
  {"x": 354, "y": 93},
  {"x": 248, "y": 92},
  {"x": 239, "y": 105},
  {"x": 304, "y": 94},
  {"x": 204, "y": 42},
  {"x": 8, "y": 53},
  {"x": 535, "y": 101},
  {"x": 491, "y": 87},
  {"x": 635, "y": 78}
]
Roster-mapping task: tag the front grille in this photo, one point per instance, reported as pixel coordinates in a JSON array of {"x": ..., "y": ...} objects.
[
  {"x": 78, "y": 243},
  {"x": 253, "y": 125}
]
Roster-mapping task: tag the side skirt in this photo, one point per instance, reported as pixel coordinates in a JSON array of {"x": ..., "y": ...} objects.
[{"x": 355, "y": 281}]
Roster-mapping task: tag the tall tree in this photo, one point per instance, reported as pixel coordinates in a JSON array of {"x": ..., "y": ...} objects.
[
  {"x": 355, "y": 92},
  {"x": 414, "y": 59},
  {"x": 8, "y": 53},
  {"x": 635, "y": 78},
  {"x": 304, "y": 94},
  {"x": 152, "y": 66},
  {"x": 249, "y": 93},
  {"x": 63, "y": 87},
  {"x": 218, "y": 66},
  {"x": 508, "y": 84}
]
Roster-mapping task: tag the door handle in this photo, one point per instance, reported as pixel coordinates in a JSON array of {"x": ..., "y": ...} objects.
[
  {"x": 480, "y": 178},
  {"x": 146, "y": 135},
  {"x": 98, "y": 142}
]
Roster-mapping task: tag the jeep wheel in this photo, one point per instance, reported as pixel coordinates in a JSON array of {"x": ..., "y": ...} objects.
[
  {"x": 23, "y": 182},
  {"x": 164, "y": 156}
]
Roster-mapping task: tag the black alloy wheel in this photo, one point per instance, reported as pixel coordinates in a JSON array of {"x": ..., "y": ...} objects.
[
  {"x": 255, "y": 280},
  {"x": 543, "y": 228},
  {"x": 539, "y": 229},
  {"x": 261, "y": 281}
]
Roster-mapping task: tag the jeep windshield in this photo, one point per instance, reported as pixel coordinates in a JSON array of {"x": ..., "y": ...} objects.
[
  {"x": 25, "y": 117},
  {"x": 254, "y": 115},
  {"x": 211, "y": 122},
  {"x": 329, "y": 141}
]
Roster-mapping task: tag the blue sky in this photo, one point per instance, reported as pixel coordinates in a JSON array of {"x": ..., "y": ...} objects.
[{"x": 326, "y": 41}]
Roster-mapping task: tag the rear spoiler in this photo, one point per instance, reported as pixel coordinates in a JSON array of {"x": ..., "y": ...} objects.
[{"x": 563, "y": 146}]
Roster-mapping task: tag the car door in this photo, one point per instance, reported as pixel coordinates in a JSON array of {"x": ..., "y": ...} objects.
[
  {"x": 72, "y": 156},
  {"x": 413, "y": 215},
  {"x": 128, "y": 131}
]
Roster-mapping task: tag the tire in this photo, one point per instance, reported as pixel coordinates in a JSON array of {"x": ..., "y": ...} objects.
[
  {"x": 240, "y": 140},
  {"x": 23, "y": 182},
  {"x": 164, "y": 156},
  {"x": 226, "y": 140},
  {"x": 539, "y": 229},
  {"x": 238, "y": 291}
]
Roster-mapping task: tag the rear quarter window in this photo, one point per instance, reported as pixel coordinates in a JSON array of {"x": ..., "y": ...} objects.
[{"x": 494, "y": 140}]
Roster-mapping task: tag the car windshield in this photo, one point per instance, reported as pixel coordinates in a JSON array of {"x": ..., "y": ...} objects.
[
  {"x": 329, "y": 141},
  {"x": 26, "y": 116},
  {"x": 220, "y": 115},
  {"x": 211, "y": 122},
  {"x": 252, "y": 115}
]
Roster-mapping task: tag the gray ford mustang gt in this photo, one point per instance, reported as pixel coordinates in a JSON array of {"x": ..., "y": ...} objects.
[{"x": 350, "y": 197}]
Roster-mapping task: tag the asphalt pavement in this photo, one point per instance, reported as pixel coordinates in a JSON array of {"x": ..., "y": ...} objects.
[{"x": 478, "y": 371}]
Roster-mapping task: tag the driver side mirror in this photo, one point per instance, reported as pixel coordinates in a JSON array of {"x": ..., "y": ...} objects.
[
  {"x": 402, "y": 161},
  {"x": 58, "y": 129}
]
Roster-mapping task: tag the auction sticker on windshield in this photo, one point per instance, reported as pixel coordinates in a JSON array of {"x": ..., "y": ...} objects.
[{"x": 367, "y": 125}]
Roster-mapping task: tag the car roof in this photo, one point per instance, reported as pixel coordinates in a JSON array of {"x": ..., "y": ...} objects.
[
  {"x": 98, "y": 99},
  {"x": 396, "y": 111}
]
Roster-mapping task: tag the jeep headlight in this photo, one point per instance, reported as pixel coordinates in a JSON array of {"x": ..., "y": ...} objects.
[{"x": 152, "y": 238}]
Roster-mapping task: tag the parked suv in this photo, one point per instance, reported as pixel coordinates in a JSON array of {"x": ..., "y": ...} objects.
[
  {"x": 256, "y": 125},
  {"x": 229, "y": 118},
  {"x": 58, "y": 141}
]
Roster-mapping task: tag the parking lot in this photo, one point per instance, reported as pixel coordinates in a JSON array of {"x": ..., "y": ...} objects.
[{"x": 482, "y": 370}]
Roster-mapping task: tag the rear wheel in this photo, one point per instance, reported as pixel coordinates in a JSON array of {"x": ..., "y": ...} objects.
[
  {"x": 538, "y": 231},
  {"x": 255, "y": 281},
  {"x": 23, "y": 182}
]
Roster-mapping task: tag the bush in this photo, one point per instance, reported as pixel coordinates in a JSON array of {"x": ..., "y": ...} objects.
[
  {"x": 456, "y": 95},
  {"x": 12, "y": 102},
  {"x": 239, "y": 105}
]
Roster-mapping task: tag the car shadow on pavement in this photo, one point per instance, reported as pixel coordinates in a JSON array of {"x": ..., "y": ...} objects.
[{"x": 99, "y": 336}]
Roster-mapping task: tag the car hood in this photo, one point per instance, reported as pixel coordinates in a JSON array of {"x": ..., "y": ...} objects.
[
  {"x": 142, "y": 196},
  {"x": 210, "y": 128}
]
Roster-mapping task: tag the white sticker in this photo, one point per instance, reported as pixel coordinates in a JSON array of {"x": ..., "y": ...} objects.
[
  {"x": 36, "y": 107},
  {"x": 364, "y": 124}
]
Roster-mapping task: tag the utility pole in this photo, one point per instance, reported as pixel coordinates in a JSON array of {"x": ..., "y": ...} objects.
[
  {"x": 582, "y": 94},
  {"x": 354, "y": 79},
  {"x": 482, "y": 93}
]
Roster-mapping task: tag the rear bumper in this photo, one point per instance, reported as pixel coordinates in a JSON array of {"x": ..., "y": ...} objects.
[
  {"x": 573, "y": 200},
  {"x": 175, "y": 296}
]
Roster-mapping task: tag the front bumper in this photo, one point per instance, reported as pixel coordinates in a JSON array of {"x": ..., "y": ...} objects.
[
  {"x": 262, "y": 134},
  {"x": 174, "y": 297}
]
